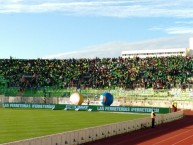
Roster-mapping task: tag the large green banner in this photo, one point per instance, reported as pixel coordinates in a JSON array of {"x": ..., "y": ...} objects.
[
  {"x": 131, "y": 109},
  {"x": 135, "y": 109}
]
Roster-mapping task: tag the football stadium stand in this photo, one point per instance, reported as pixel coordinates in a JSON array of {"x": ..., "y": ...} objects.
[
  {"x": 128, "y": 73},
  {"x": 186, "y": 52},
  {"x": 23, "y": 76},
  {"x": 157, "y": 53}
]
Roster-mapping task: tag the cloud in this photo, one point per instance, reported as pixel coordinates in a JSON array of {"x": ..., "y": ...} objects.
[
  {"x": 179, "y": 30},
  {"x": 112, "y": 8},
  {"x": 114, "y": 49},
  {"x": 174, "y": 29},
  {"x": 10, "y": 1},
  {"x": 184, "y": 22}
]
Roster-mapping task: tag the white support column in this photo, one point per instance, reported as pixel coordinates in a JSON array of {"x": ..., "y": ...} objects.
[{"x": 191, "y": 46}]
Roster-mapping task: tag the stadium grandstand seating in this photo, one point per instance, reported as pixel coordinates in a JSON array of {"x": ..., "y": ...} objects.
[
  {"x": 3, "y": 83},
  {"x": 31, "y": 76}
]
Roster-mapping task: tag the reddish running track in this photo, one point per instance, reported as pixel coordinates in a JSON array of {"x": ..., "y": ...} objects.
[{"x": 179, "y": 132}]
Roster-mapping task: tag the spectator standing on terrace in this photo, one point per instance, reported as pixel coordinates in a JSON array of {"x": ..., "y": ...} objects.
[
  {"x": 88, "y": 101},
  {"x": 44, "y": 100},
  {"x": 153, "y": 119}
]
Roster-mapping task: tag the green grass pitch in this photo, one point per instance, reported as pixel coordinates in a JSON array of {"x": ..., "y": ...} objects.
[{"x": 17, "y": 124}]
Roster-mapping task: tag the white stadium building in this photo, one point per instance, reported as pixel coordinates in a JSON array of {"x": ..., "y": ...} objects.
[{"x": 160, "y": 52}]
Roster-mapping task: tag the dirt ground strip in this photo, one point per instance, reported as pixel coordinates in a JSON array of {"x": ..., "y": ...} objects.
[{"x": 179, "y": 132}]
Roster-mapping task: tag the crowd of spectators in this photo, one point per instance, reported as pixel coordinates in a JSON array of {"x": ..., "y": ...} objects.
[{"x": 155, "y": 72}]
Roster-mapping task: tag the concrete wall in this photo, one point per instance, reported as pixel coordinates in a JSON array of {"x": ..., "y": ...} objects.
[
  {"x": 145, "y": 103},
  {"x": 157, "y": 103}
]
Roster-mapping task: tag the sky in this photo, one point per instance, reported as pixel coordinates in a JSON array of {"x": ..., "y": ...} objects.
[{"x": 31, "y": 29}]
